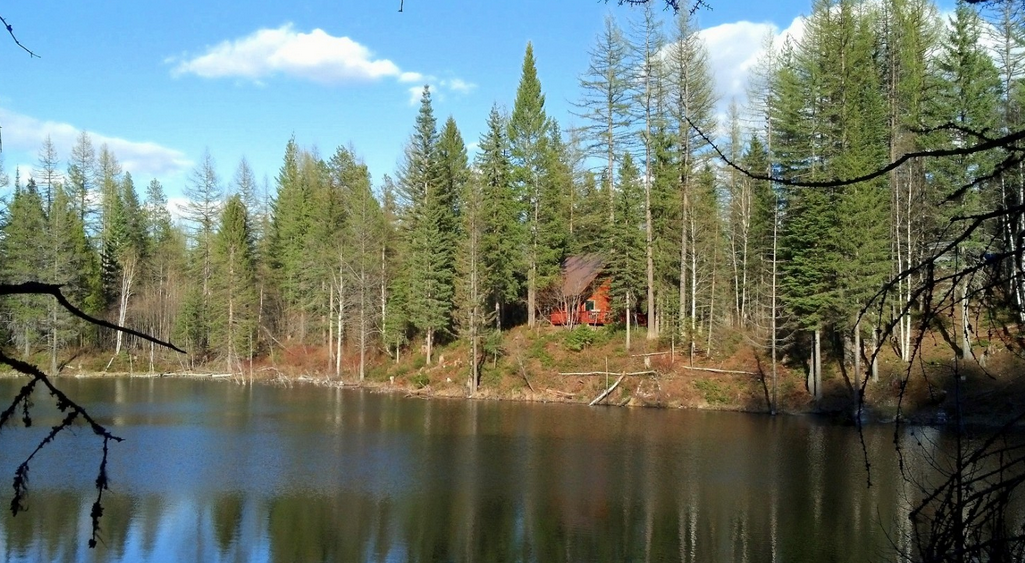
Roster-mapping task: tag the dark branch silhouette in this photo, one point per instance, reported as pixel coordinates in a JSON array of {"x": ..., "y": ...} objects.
[
  {"x": 38, "y": 288},
  {"x": 1006, "y": 142},
  {"x": 10, "y": 31},
  {"x": 73, "y": 412}
]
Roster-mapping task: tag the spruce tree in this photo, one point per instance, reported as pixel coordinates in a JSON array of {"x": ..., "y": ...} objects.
[
  {"x": 606, "y": 89},
  {"x": 24, "y": 248},
  {"x": 501, "y": 240},
  {"x": 625, "y": 261},
  {"x": 427, "y": 271},
  {"x": 528, "y": 140},
  {"x": 233, "y": 286}
]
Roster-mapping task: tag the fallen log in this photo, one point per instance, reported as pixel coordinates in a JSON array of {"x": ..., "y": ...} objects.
[
  {"x": 646, "y": 372},
  {"x": 607, "y": 392},
  {"x": 714, "y": 370}
]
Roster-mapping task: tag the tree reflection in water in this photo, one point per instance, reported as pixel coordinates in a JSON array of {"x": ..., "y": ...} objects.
[{"x": 215, "y": 472}]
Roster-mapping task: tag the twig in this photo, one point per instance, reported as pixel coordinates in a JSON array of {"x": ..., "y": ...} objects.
[
  {"x": 73, "y": 411},
  {"x": 38, "y": 288},
  {"x": 523, "y": 372},
  {"x": 10, "y": 30}
]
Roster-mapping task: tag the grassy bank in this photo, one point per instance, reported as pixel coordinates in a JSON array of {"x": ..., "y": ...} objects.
[{"x": 560, "y": 365}]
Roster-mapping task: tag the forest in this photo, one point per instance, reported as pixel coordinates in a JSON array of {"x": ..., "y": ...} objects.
[{"x": 708, "y": 224}]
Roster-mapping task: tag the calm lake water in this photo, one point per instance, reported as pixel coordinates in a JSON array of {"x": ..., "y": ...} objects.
[{"x": 212, "y": 471}]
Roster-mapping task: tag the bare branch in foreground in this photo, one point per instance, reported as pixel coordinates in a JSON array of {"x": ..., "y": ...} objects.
[
  {"x": 10, "y": 31},
  {"x": 73, "y": 412}
]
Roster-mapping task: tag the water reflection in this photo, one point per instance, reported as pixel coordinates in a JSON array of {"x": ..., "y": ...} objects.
[{"x": 214, "y": 472}]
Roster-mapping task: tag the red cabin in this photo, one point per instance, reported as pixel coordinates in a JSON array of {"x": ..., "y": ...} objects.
[{"x": 584, "y": 292}]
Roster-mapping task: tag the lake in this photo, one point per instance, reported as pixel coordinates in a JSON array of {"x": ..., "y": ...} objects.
[{"x": 212, "y": 471}]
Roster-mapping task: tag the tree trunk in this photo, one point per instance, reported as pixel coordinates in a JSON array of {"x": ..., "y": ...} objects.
[
  {"x": 628, "y": 320},
  {"x": 430, "y": 344},
  {"x": 857, "y": 353},
  {"x": 818, "y": 364}
]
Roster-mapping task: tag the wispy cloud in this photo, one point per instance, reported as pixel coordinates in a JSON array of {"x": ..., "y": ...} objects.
[
  {"x": 316, "y": 56},
  {"x": 141, "y": 158},
  {"x": 439, "y": 88}
]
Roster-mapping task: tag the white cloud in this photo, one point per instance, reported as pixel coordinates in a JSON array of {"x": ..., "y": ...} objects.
[
  {"x": 411, "y": 77},
  {"x": 141, "y": 158},
  {"x": 734, "y": 50},
  {"x": 415, "y": 92},
  {"x": 459, "y": 85},
  {"x": 316, "y": 56},
  {"x": 439, "y": 88}
]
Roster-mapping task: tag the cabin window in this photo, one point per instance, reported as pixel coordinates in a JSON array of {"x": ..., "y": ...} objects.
[{"x": 589, "y": 306}]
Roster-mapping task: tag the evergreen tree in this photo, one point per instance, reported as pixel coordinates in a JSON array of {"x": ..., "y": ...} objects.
[
  {"x": 81, "y": 174},
  {"x": 233, "y": 286},
  {"x": 24, "y": 248},
  {"x": 501, "y": 249},
  {"x": 690, "y": 107},
  {"x": 427, "y": 271},
  {"x": 47, "y": 174},
  {"x": 71, "y": 263},
  {"x": 473, "y": 277},
  {"x": 626, "y": 259},
  {"x": 528, "y": 143},
  {"x": 606, "y": 88},
  {"x": 968, "y": 99},
  {"x": 648, "y": 42},
  {"x": 362, "y": 234}
]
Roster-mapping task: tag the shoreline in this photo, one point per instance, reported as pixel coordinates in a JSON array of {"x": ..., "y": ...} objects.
[{"x": 451, "y": 392}]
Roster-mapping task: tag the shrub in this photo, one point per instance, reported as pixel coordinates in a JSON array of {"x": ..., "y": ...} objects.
[
  {"x": 421, "y": 380},
  {"x": 580, "y": 337},
  {"x": 715, "y": 393}
]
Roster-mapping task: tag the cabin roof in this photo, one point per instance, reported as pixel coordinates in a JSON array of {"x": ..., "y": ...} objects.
[{"x": 578, "y": 272}]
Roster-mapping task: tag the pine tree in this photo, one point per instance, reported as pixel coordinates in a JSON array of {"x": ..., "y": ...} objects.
[
  {"x": 233, "y": 303},
  {"x": 909, "y": 35},
  {"x": 24, "y": 248},
  {"x": 164, "y": 271},
  {"x": 427, "y": 271},
  {"x": 81, "y": 174},
  {"x": 360, "y": 238},
  {"x": 968, "y": 98},
  {"x": 47, "y": 174},
  {"x": 648, "y": 43},
  {"x": 528, "y": 139},
  {"x": 606, "y": 89},
  {"x": 690, "y": 106},
  {"x": 502, "y": 234},
  {"x": 200, "y": 213},
  {"x": 625, "y": 262},
  {"x": 472, "y": 276}
]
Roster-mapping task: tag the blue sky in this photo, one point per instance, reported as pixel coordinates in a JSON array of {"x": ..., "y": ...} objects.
[{"x": 160, "y": 82}]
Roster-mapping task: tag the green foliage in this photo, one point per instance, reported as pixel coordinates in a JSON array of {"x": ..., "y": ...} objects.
[
  {"x": 626, "y": 255},
  {"x": 234, "y": 302},
  {"x": 580, "y": 337},
  {"x": 538, "y": 350},
  {"x": 420, "y": 380},
  {"x": 714, "y": 392},
  {"x": 502, "y": 233},
  {"x": 427, "y": 273}
]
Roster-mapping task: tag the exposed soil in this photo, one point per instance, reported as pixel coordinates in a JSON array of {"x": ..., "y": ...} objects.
[{"x": 554, "y": 365}]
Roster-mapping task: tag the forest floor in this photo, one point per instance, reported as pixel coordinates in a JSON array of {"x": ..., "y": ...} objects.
[{"x": 554, "y": 364}]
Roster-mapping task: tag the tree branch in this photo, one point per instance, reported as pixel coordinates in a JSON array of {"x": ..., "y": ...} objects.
[
  {"x": 10, "y": 31},
  {"x": 73, "y": 412},
  {"x": 1004, "y": 142}
]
